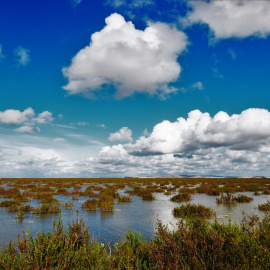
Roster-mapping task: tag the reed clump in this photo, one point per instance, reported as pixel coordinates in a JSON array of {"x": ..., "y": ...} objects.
[
  {"x": 68, "y": 205},
  {"x": 20, "y": 215},
  {"x": 230, "y": 199},
  {"x": 50, "y": 200},
  {"x": 181, "y": 197},
  {"x": 243, "y": 199},
  {"x": 8, "y": 203},
  {"x": 192, "y": 210},
  {"x": 90, "y": 205},
  {"x": 147, "y": 196},
  {"x": 227, "y": 199},
  {"x": 46, "y": 208},
  {"x": 106, "y": 206},
  {"x": 264, "y": 206},
  {"x": 124, "y": 199}
]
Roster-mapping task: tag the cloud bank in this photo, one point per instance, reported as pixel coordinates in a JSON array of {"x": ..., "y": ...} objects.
[
  {"x": 227, "y": 19},
  {"x": 132, "y": 60},
  {"x": 199, "y": 144}
]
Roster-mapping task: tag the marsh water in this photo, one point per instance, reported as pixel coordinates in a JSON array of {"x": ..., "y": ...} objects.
[{"x": 139, "y": 216}]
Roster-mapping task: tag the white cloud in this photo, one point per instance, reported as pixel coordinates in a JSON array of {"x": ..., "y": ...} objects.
[
  {"x": 27, "y": 129},
  {"x": 123, "y": 135},
  {"x": 2, "y": 56},
  {"x": 101, "y": 125},
  {"x": 223, "y": 144},
  {"x": 250, "y": 129},
  {"x": 44, "y": 117},
  {"x": 16, "y": 117},
  {"x": 132, "y": 60},
  {"x": 231, "y": 53},
  {"x": 238, "y": 18},
  {"x": 22, "y": 56},
  {"x": 198, "y": 85},
  {"x": 26, "y": 118},
  {"x": 83, "y": 123}
]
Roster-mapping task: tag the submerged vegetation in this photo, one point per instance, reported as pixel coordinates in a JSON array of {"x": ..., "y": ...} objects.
[{"x": 194, "y": 244}]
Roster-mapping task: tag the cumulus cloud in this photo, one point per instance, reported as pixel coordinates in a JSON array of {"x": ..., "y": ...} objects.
[
  {"x": 239, "y": 18},
  {"x": 132, "y": 60},
  {"x": 249, "y": 129},
  {"x": 27, "y": 129},
  {"x": 44, "y": 117},
  {"x": 123, "y": 135},
  {"x": 16, "y": 117},
  {"x": 22, "y": 56},
  {"x": 27, "y": 118}
]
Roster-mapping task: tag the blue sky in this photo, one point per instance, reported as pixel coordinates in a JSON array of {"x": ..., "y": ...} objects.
[{"x": 133, "y": 88}]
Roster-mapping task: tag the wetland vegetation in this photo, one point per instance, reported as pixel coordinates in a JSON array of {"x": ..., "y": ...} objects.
[{"x": 194, "y": 243}]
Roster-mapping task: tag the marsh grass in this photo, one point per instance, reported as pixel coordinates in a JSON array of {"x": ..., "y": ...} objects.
[
  {"x": 264, "y": 206},
  {"x": 181, "y": 197},
  {"x": 46, "y": 208},
  {"x": 192, "y": 210},
  {"x": 243, "y": 199},
  {"x": 68, "y": 205},
  {"x": 230, "y": 199},
  {"x": 90, "y": 205},
  {"x": 124, "y": 199},
  {"x": 8, "y": 203}
]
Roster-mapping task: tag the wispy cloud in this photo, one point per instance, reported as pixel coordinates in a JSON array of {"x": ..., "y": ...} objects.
[
  {"x": 232, "y": 53},
  {"x": 2, "y": 56},
  {"x": 22, "y": 56},
  {"x": 75, "y": 2},
  {"x": 130, "y": 3},
  {"x": 28, "y": 129}
]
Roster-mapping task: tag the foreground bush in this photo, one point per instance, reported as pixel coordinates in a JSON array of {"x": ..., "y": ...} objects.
[{"x": 194, "y": 244}]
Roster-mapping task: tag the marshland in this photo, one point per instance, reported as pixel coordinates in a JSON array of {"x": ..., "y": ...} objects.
[{"x": 154, "y": 221}]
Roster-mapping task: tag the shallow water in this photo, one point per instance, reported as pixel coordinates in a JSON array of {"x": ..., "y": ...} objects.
[{"x": 140, "y": 216}]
